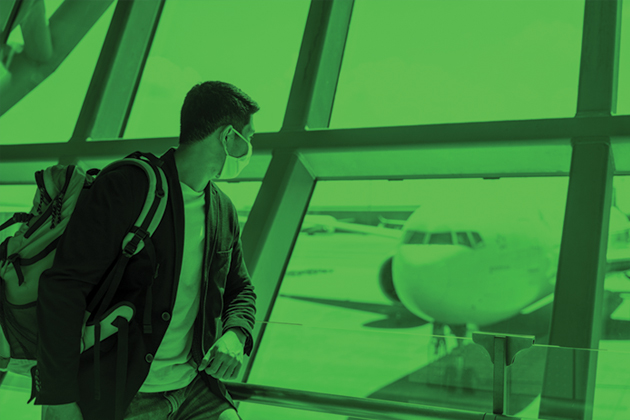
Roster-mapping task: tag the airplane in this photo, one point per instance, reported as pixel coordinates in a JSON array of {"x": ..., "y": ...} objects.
[
  {"x": 443, "y": 250},
  {"x": 455, "y": 263}
]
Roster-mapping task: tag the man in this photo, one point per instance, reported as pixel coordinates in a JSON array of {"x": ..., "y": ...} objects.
[{"x": 199, "y": 281}]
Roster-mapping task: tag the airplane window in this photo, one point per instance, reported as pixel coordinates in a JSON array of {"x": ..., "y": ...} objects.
[
  {"x": 414, "y": 237},
  {"x": 476, "y": 238},
  {"x": 462, "y": 239},
  {"x": 444, "y": 238}
]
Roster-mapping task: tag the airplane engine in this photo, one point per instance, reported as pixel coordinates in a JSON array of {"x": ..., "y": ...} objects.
[{"x": 386, "y": 281}]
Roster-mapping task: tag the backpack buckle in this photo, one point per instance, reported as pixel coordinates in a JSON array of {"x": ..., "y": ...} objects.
[{"x": 137, "y": 235}]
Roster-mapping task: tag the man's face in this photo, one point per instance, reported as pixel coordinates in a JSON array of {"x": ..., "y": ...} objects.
[{"x": 236, "y": 146}]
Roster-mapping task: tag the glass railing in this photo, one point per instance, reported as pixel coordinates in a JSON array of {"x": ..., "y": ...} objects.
[{"x": 427, "y": 370}]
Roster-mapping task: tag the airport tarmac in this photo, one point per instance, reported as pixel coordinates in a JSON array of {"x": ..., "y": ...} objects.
[{"x": 343, "y": 342}]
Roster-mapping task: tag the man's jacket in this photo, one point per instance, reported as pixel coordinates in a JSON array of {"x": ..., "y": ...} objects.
[{"x": 92, "y": 241}]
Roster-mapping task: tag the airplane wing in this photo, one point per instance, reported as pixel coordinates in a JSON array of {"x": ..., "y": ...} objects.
[
  {"x": 384, "y": 221},
  {"x": 329, "y": 223},
  {"x": 370, "y": 230}
]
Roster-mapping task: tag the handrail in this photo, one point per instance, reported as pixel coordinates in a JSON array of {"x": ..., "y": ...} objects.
[{"x": 365, "y": 408}]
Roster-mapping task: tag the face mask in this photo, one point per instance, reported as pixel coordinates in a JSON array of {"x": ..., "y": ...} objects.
[{"x": 233, "y": 166}]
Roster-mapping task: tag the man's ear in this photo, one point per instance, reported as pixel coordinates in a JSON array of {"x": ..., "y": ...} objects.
[{"x": 227, "y": 130}]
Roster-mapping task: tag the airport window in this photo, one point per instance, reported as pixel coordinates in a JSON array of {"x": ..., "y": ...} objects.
[
  {"x": 338, "y": 288},
  {"x": 462, "y": 239},
  {"x": 243, "y": 195},
  {"x": 174, "y": 66},
  {"x": 48, "y": 113},
  {"x": 414, "y": 237},
  {"x": 459, "y": 61},
  {"x": 441, "y": 238}
]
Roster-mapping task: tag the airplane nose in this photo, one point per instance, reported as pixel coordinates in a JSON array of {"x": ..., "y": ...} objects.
[{"x": 423, "y": 255}]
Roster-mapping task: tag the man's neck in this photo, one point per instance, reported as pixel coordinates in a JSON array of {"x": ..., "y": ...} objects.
[{"x": 196, "y": 165}]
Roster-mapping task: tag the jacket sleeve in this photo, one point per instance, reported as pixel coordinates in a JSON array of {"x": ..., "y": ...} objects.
[
  {"x": 239, "y": 299},
  {"x": 91, "y": 242}
]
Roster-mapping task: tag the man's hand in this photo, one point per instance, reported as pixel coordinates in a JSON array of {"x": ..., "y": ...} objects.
[
  {"x": 225, "y": 357},
  {"x": 62, "y": 412}
]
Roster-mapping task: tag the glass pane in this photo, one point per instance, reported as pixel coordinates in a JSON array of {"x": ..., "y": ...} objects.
[
  {"x": 16, "y": 198},
  {"x": 360, "y": 298},
  {"x": 437, "y": 62},
  {"x": 395, "y": 366},
  {"x": 243, "y": 195},
  {"x": 613, "y": 376},
  {"x": 623, "y": 99},
  {"x": 49, "y": 112},
  {"x": 223, "y": 40},
  {"x": 14, "y": 393}
]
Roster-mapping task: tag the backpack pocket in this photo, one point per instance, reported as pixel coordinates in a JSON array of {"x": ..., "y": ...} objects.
[{"x": 123, "y": 309}]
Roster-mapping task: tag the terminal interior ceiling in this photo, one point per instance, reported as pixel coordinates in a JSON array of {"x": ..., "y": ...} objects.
[{"x": 427, "y": 177}]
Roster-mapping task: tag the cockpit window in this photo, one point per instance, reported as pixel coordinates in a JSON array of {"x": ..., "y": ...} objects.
[
  {"x": 463, "y": 239},
  {"x": 414, "y": 237},
  {"x": 443, "y": 238},
  {"x": 469, "y": 239},
  {"x": 477, "y": 238}
]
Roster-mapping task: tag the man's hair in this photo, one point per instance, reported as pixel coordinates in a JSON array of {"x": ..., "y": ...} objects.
[{"x": 211, "y": 105}]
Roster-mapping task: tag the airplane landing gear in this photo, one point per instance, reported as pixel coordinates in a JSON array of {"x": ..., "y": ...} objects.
[
  {"x": 437, "y": 346},
  {"x": 447, "y": 367},
  {"x": 460, "y": 331}
]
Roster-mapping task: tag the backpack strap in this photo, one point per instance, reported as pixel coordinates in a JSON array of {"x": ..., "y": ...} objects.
[
  {"x": 148, "y": 220},
  {"x": 136, "y": 239},
  {"x": 18, "y": 261}
]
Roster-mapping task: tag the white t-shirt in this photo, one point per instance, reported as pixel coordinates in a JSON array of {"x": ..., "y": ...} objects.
[{"x": 172, "y": 367}]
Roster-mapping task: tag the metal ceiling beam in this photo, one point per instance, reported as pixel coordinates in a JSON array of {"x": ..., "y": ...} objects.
[
  {"x": 436, "y": 135},
  {"x": 109, "y": 98},
  {"x": 569, "y": 381},
  {"x": 274, "y": 221},
  {"x": 68, "y": 25},
  {"x": 319, "y": 64}
]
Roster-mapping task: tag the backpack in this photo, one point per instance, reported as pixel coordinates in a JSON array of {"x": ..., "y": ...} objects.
[{"x": 25, "y": 255}]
